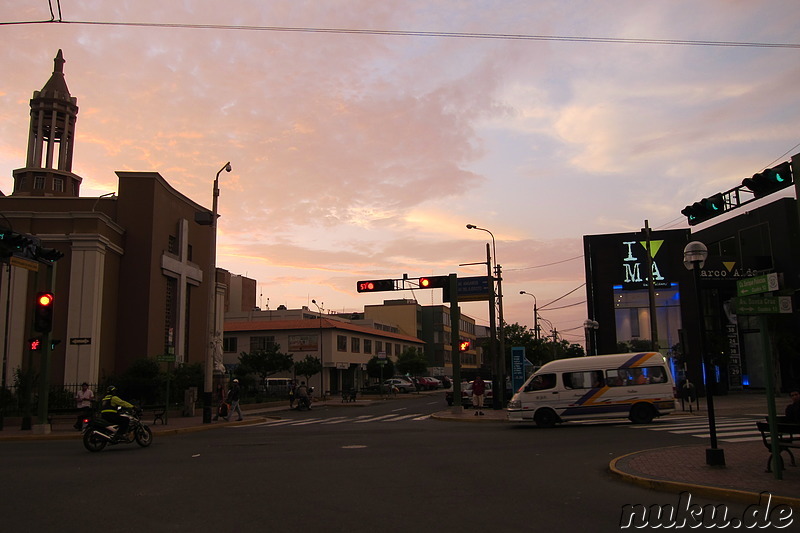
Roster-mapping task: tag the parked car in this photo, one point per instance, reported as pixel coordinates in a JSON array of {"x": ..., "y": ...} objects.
[
  {"x": 466, "y": 394},
  {"x": 401, "y": 384},
  {"x": 426, "y": 383}
]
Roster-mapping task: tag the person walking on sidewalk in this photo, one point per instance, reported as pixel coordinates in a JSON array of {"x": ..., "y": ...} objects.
[
  {"x": 793, "y": 409},
  {"x": 478, "y": 390},
  {"x": 233, "y": 398}
]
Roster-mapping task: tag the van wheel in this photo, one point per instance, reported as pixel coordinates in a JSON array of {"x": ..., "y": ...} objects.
[
  {"x": 641, "y": 413},
  {"x": 545, "y": 418}
]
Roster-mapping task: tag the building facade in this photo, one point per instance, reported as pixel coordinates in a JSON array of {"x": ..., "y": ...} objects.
[{"x": 133, "y": 281}]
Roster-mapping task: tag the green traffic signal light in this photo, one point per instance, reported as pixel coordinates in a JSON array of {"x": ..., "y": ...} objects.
[{"x": 770, "y": 180}]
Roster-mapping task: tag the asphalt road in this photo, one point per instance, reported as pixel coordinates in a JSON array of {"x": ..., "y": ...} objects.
[{"x": 346, "y": 469}]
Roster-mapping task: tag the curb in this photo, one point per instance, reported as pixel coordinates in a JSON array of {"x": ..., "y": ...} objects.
[{"x": 706, "y": 491}]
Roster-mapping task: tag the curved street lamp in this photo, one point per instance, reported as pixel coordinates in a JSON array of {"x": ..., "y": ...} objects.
[
  {"x": 500, "y": 386},
  {"x": 321, "y": 356},
  {"x": 535, "y": 315},
  {"x": 694, "y": 257},
  {"x": 208, "y": 381}
]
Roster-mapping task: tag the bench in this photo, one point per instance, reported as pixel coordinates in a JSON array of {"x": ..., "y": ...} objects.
[
  {"x": 788, "y": 439},
  {"x": 349, "y": 395},
  {"x": 70, "y": 413},
  {"x": 158, "y": 412}
]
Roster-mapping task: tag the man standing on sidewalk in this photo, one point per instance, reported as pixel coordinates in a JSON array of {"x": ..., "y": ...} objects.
[
  {"x": 83, "y": 400},
  {"x": 478, "y": 389}
]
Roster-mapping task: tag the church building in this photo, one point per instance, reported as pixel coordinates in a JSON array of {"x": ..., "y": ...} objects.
[{"x": 133, "y": 281}]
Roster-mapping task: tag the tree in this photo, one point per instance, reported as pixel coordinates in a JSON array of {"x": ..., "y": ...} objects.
[
  {"x": 376, "y": 370},
  {"x": 412, "y": 361},
  {"x": 265, "y": 363},
  {"x": 308, "y": 367}
]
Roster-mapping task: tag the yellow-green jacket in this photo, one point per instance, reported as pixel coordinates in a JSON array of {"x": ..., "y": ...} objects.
[{"x": 111, "y": 402}]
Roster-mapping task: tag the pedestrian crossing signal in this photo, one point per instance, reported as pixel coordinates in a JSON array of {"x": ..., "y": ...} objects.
[
  {"x": 375, "y": 285},
  {"x": 464, "y": 346}
]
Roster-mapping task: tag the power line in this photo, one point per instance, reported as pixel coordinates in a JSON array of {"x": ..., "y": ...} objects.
[
  {"x": 564, "y": 296},
  {"x": 545, "y": 265},
  {"x": 409, "y": 33}
]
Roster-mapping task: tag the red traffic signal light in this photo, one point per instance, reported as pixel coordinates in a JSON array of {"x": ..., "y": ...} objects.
[
  {"x": 35, "y": 344},
  {"x": 464, "y": 345},
  {"x": 375, "y": 285},
  {"x": 43, "y": 312},
  {"x": 434, "y": 282}
]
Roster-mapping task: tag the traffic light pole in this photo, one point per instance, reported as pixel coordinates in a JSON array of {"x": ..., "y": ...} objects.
[
  {"x": 455, "y": 320},
  {"x": 44, "y": 365}
]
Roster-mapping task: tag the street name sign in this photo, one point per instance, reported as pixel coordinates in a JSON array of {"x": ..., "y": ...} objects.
[{"x": 757, "y": 284}]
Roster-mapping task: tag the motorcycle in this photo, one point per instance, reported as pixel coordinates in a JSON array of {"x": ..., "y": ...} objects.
[
  {"x": 99, "y": 432},
  {"x": 304, "y": 403}
]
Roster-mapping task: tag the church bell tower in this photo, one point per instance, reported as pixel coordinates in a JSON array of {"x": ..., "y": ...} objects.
[{"x": 51, "y": 140}]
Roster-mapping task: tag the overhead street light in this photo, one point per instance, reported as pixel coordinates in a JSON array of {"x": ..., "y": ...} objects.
[
  {"x": 208, "y": 381},
  {"x": 321, "y": 355},
  {"x": 500, "y": 384},
  {"x": 535, "y": 315}
]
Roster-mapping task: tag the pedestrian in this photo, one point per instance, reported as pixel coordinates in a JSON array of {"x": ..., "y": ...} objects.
[
  {"x": 222, "y": 408},
  {"x": 793, "y": 409},
  {"x": 291, "y": 389},
  {"x": 233, "y": 398},
  {"x": 83, "y": 400},
  {"x": 478, "y": 390}
]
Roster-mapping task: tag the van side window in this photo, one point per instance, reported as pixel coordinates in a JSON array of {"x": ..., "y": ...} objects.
[
  {"x": 617, "y": 377},
  {"x": 625, "y": 377},
  {"x": 541, "y": 382},
  {"x": 583, "y": 380}
]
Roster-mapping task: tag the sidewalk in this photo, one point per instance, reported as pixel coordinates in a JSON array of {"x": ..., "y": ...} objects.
[{"x": 671, "y": 469}]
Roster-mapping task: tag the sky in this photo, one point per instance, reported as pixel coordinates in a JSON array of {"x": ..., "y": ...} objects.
[{"x": 363, "y": 138}]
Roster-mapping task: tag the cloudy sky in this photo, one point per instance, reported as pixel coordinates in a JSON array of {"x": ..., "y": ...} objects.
[{"x": 363, "y": 154}]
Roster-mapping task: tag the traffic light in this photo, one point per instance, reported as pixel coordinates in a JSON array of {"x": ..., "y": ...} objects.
[
  {"x": 43, "y": 313},
  {"x": 770, "y": 180},
  {"x": 375, "y": 285},
  {"x": 35, "y": 344},
  {"x": 49, "y": 254},
  {"x": 434, "y": 282},
  {"x": 12, "y": 242},
  {"x": 464, "y": 345},
  {"x": 704, "y": 209}
]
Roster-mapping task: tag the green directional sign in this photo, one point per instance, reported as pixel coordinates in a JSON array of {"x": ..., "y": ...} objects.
[
  {"x": 170, "y": 358},
  {"x": 762, "y": 305},
  {"x": 757, "y": 285}
]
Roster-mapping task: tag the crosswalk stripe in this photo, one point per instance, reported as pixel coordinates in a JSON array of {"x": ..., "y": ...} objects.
[
  {"x": 728, "y": 429},
  {"x": 361, "y": 419}
]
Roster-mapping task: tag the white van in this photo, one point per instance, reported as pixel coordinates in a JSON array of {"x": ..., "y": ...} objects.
[{"x": 638, "y": 386}]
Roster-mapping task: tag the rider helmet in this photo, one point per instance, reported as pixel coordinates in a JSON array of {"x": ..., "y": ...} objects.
[{"x": 111, "y": 389}]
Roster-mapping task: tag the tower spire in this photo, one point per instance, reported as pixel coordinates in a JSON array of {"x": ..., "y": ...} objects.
[{"x": 51, "y": 139}]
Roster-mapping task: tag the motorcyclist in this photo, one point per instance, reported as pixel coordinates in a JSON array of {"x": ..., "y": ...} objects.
[
  {"x": 302, "y": 395},
  {"x": 110, "y": 413}
]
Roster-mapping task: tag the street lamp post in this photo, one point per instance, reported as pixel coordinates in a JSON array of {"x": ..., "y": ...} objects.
[
  {"x": 321, "y": 356},
  {"x": 535, "y": 316},
  {"x": 590, "y": 327},
  {"x": 208, "y": 381},
  {"x": 500, "y": 379},
  {"x": 694, "y": 257}
]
